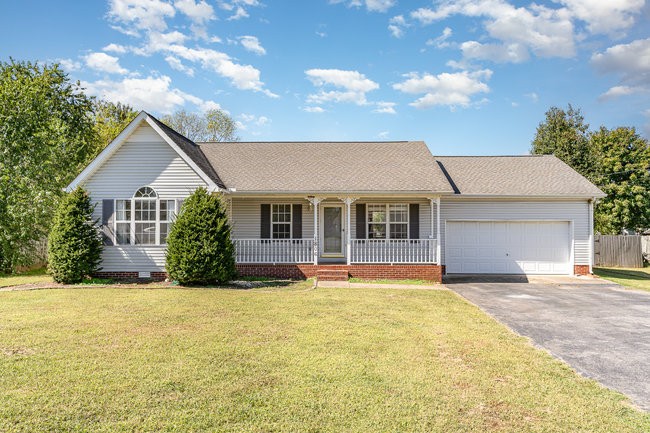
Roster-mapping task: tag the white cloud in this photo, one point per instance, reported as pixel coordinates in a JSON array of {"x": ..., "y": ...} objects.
[
  {"x": 104, "y": 63},
  {"x": 199, "y": 12},
  {"x": 500, "y": 53},
  {"x": 252, "y": 44},
  {"x": 244, "y": 77},
  {"x": 115, "y": 48},
  {"x": 631, "y": 61},
  {"x": 177, "y": 65},
  {"x": 69, "y": 65},
  {"x": 441, "y": 41},
  {"x": 450, "y": 89},
  {"x": 239, "y": 14},
  {"x": 544, "y": 31},
  {"x": 314, "y": 109},
  {"x": 383, "y": 135},
  {"x": 321, "y": 34},
  {"x": 251, "y": 119},
  {"x": 371, "y": 5},
  {"x": 605, "y": 16},
  {"x": 396, "y": 26},
  {"x": 618, "y": 91},
  {"x": 385, "y": 107},
  {"x": 354, "y": 86},
  {"x": 151, "y": 94},
  {"x": 532, "y": 96},
  {"x": 142, "y": 14}
]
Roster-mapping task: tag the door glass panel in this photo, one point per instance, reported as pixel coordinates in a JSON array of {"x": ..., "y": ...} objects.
[{"x": 332, "y": 242}]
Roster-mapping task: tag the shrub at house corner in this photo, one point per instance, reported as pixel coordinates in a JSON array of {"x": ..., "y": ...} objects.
[
  {"x": 75, "y": 245},
  {"x": 199, "y": 249}
]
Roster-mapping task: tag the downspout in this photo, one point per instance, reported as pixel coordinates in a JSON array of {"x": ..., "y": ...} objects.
[{"x": 591, "y": 234}]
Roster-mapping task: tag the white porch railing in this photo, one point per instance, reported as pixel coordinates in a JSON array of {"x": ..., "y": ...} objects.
[
  {"x": 393, "y": 251},
  {"x": 274, "y": 250}
]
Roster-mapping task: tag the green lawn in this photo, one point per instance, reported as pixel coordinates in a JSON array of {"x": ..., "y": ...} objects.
[
  {"x": 634, "y": 278},
  {"x": 36, "y": 276},
  {"x": 286, "y": 359}
]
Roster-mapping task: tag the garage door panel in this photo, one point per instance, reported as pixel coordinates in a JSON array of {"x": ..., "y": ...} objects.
[{"x": 513, "y": 247}]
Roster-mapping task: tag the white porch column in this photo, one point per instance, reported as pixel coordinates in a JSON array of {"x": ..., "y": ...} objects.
[
  {"x": 438, "y": 243},
  {"x": 315, "y": 201},
  {"x": 348, "y": 227}
]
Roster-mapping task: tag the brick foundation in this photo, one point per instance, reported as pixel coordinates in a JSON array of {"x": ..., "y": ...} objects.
[
  {"x": 371, "y": 272},
  {"x": 581, "y": 270},
  {"x": 301, "y": 271}
]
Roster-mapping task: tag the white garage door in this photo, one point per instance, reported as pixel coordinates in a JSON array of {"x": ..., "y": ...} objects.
[{"x": 507, "y": 247}]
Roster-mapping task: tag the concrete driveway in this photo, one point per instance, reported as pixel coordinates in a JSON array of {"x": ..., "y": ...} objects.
[{"x": 597, "y": 327}]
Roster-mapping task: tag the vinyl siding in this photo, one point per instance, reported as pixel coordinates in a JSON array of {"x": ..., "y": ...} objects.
[
  {"x": 494, "y": 209},
  {"x": 144, "y": 159},
  {"x": 246, "y": 215}
]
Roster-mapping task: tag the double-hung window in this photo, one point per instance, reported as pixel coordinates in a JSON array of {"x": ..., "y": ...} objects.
[
  {"x": 387, "y": 221},
  {"x": 144, "y": 219},
  {"x": 281, "y": 221}
]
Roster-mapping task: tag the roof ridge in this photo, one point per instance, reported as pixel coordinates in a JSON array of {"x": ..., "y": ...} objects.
[
  {"x": 490, "y": 156},
  {"x": 199, "y": 143}
]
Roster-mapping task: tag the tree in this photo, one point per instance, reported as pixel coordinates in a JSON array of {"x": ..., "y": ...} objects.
[
  {"x": 74, "y": 243},
  {"x": 623, "y": 173},
  {"x": 214, "y": 125},
  {"x": 46, "y": 137},
  {"x": 110, "y": 119},
  {"x": 565, "y": 135},
  {"x": 199, "y": 249}
]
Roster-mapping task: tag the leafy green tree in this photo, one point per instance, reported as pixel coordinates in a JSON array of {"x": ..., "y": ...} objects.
[
  {"x": 623, "y": 173},
  {"x": 214, "y": 125},
  {"x": 565, "y": 135},
  {"x": 46, "y": 137},
  {"x": 199, "y": 249},
  {"x": 74, "y": 244},
  {"x": 110, "y": 119}
]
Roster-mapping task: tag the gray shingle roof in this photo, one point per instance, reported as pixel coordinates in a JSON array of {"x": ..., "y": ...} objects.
[
  {"x": 531, "y": 175},
  {"x": 326, "y": 166},
  {"x": 192, "y": 150}
]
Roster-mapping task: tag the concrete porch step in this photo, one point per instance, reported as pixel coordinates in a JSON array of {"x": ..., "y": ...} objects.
[{"x": 332, "y": 274}]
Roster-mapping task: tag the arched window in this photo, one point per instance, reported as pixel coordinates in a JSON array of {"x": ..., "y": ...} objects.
[
  {"x": 145, "y": 215},
  {"x": 144, "y": 219}
]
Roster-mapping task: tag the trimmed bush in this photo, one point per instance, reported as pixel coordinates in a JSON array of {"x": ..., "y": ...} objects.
[
  {"x": 74, "y": 244},
  {"x": 199, "y": 249}
]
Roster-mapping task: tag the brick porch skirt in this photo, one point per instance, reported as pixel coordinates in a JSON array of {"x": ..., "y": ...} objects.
[{"x": 389, "y": 272}]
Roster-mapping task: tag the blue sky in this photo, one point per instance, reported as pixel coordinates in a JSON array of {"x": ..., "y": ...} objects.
[{"x": 467, "y": 77}]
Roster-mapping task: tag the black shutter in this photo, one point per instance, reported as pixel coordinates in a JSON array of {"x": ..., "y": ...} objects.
[
  {"x": 414, "y": 221},
  {"x": 265, "y": 221},
  {"x": 296, "y": 217},
  {"x": 107, "y": 221},
  {"x": 361, "y": 221}
]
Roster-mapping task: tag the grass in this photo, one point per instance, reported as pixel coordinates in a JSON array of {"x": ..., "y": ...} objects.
[
  {"x": 35, "y": 276},
  {"x": 634, "y": 278},
  {"x": 385, "y": 281},
  {"x": 279, "y": 360}
]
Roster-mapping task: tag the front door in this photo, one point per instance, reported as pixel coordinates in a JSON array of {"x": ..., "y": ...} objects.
[{"x": 331, "y": 230}]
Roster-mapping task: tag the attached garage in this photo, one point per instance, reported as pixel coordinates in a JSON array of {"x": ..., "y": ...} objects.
[{"x": 508, "y": 247}]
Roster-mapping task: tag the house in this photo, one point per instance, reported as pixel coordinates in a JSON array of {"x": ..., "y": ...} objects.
[{"x": 363, "y": 209}]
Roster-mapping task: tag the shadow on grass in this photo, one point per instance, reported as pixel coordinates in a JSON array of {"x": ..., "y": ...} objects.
[{"x": 627, "y": 274}]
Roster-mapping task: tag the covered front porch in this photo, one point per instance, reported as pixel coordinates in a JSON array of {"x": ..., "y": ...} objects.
[{"x": 323, "y": 230}]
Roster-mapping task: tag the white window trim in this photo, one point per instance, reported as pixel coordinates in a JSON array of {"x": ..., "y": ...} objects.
[
  {"x": 388, "y": 222},
  {"x": 290, "y": 220},
  {"x": 132, "y": 221}
]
